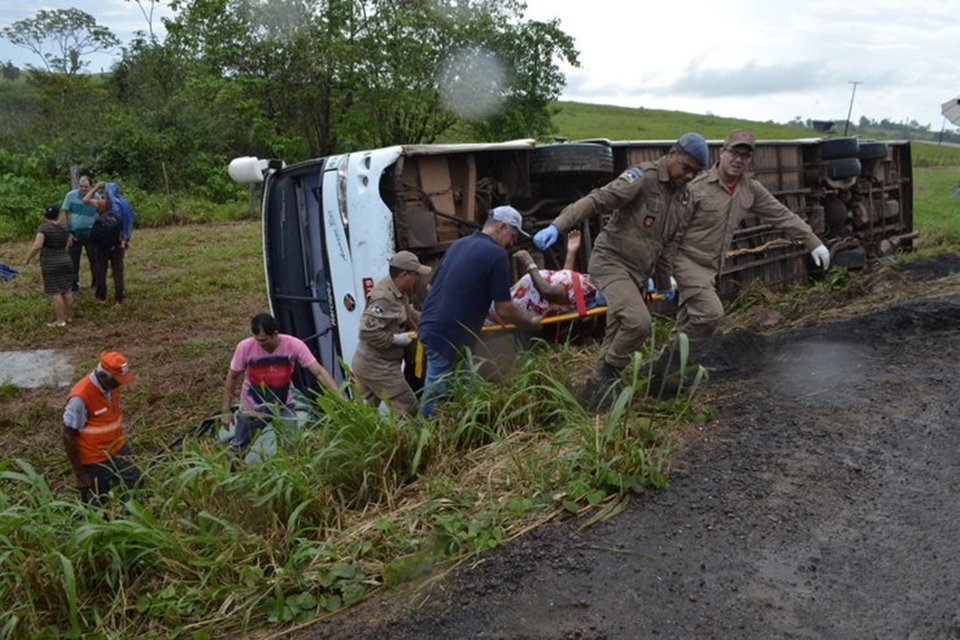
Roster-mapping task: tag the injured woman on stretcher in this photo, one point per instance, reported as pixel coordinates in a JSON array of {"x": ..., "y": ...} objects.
[{"x": 543, "y": 292}]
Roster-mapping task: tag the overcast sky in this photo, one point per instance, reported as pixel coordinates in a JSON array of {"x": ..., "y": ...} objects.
[{"x": 753, "y": 59}]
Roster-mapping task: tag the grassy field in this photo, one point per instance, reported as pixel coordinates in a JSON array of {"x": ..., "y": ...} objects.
[
  {"x": 936, "y": 207},
  {"x": 364, "y": 500}
]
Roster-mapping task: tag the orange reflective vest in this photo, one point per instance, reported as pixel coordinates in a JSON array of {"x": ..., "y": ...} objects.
[{"x": 102, "y": 435}]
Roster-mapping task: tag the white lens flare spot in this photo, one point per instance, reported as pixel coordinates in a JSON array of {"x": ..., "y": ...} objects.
[{"x": 473, "y": 83}]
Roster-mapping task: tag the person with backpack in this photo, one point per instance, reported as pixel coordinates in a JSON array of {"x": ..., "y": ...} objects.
[
  {"x": 110, "y": 235},
  {"x": 78, "y": 219}
]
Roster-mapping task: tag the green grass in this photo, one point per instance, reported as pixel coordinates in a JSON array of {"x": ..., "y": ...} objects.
[
  {"x": 927, "y": 155},
  {"x": 579, "y": 120},
  {"x": 360, "y": 499},
  {"x": 936, "y": 208}
]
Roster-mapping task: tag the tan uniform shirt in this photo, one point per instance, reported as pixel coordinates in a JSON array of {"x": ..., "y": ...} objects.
[
  {"x": 385, "y": 315},
  {"x": 642, "y": 235},
  {"x": 376, "y": 362},
  {"x": 707, "y": 239}
]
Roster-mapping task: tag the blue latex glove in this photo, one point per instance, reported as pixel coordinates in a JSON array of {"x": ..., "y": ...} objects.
[
  {"x": 669, "y": 294},
  {"x": 546, "y": 237}
]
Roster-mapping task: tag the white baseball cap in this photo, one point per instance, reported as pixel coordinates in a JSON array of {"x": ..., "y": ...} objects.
[{"x": 508, "y": 215}]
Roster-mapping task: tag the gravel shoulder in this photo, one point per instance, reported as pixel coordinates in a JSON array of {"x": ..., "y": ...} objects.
[{"x": 822, "y": 502}]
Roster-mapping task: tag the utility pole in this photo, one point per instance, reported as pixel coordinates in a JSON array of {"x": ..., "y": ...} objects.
[{"x": 850, "y": 111}]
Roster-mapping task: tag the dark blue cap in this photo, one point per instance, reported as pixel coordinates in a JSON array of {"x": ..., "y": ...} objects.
[{"x": 694, "y": 146}]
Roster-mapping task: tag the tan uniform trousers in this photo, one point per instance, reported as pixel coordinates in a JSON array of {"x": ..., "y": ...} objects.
[
  {"x": 628, "y": 319},
  {"x": 387, "y": 383},
  {"x": 700, "y": 314}
]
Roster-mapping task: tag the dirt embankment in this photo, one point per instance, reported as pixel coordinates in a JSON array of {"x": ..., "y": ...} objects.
[{"x": 823, "y": 502}]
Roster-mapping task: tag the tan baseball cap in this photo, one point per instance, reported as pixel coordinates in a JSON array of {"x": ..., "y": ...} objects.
[
  {"x": 408, "y": 261},
  {"x": 739, "y": 137}
]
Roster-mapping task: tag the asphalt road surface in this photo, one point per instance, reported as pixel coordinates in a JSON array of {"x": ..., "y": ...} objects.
[{"x": 823, "y": 502}]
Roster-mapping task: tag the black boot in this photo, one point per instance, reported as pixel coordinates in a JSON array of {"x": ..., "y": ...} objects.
[
  {"x": 668, "y": 375},
  {"x": 600, "y": 388}
]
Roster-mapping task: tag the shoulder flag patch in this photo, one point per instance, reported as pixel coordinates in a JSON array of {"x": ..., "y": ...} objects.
[
  {"x": 633, "y": 174},
  {"x": 377, "y": 309}
]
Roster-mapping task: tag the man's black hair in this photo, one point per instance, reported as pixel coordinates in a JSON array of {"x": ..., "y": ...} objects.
[{"x": 265, "y": 322}]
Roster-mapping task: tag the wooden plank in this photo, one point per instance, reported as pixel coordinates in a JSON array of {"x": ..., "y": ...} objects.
[{"x": 435, "y": 182}]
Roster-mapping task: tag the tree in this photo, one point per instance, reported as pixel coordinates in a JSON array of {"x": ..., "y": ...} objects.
[
  {"x": 66, "y": 104},
  {"x": 347, "y": 74},
  {"x": 9, "y": 71},
  {"x": 147, "y": 14},
  {"x": 474, "y": 64},
  {"x": 70, "y": 33}
]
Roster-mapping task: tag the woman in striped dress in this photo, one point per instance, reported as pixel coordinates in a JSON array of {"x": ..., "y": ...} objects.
[{"x": 56, "y": 268}]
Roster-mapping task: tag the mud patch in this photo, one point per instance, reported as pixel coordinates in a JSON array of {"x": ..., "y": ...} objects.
[
  {"x": 933, "y": 268},
  {"x": 36, "y": 368},
  {"x": 813, "y": 371}
]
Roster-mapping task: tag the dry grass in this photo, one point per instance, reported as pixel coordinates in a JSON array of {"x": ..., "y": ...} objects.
[{"x": 857, "y": 294}]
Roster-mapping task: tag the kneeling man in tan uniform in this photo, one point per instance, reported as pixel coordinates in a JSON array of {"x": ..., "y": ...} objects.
[{"x": 384, "y": 332}]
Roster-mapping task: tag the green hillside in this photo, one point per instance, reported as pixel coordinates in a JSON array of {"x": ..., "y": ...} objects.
[{"x": 577, "y": 120}]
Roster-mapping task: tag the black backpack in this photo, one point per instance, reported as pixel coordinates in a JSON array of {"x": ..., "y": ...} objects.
[{"x": 106, "y": 230}]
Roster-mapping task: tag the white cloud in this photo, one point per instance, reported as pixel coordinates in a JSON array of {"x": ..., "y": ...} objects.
[{"x": 766, "y": 59}]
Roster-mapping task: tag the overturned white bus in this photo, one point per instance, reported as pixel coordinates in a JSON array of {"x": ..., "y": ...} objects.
[{"x": 331, "y": 224}]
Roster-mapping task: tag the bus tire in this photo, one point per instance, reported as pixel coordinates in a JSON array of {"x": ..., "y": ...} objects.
[
  {"x": 843, "y": 168},
  {"x": 873, "y": 150},
  {"x": 561, "y": 159},
  {"x": 831, "y": 148}
]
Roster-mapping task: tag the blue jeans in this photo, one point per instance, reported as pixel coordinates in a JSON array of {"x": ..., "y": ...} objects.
[{"x": 438, "y": 379}]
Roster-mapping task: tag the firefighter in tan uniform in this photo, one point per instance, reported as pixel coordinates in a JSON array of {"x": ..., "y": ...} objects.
[
  {"x": 650, "y": 206},
  {"x": 726, "y": 195},
  {"x": 384, "y": 332}
]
